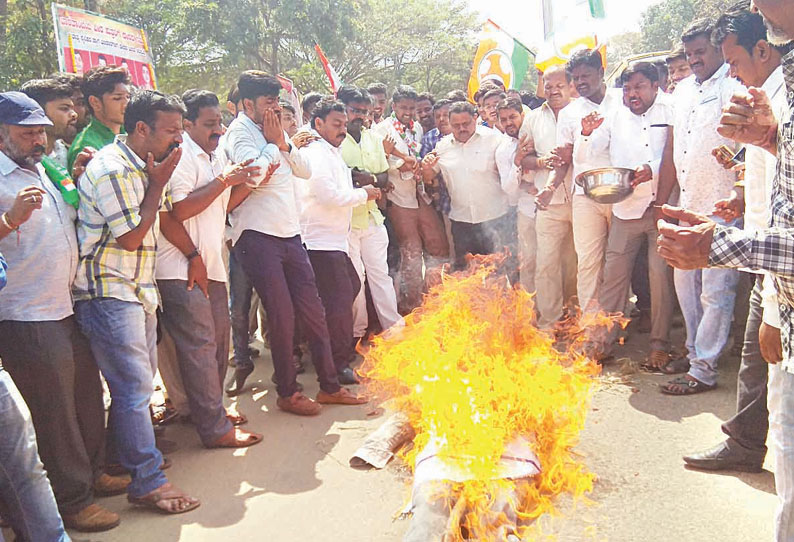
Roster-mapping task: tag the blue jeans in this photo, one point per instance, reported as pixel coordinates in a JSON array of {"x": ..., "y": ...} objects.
[
  {"x": 28, "y": 501},
  {"x": 706, "y": 297},
  {"x": 240, "y": 292},
  {"x": 123, "y": 338}
]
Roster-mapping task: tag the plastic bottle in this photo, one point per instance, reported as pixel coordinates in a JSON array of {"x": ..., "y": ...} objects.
[{"x": 60, "y": 178}]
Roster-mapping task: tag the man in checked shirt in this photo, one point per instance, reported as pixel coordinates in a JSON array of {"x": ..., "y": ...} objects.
[{"x": 749, "y": 119}]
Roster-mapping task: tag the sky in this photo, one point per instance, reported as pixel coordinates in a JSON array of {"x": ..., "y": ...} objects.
[{"x": 522, "y": 18}]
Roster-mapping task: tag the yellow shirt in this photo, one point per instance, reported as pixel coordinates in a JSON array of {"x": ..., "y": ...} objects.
[{"x": 367, "y": 155}]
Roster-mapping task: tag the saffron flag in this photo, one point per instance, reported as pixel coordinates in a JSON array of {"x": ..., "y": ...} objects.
[
  {"x": 499, "y": 57},
  {"x": 333, "y": 77}
]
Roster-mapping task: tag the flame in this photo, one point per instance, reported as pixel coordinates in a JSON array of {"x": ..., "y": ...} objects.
[{"x": 471, "y": 371}]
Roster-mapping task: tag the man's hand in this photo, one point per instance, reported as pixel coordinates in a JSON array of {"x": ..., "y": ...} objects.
[
  {"x": 769, "y": 340},
  {"x": 272, "y": 130},
  {"x": 28, "y": 200},
  {"x": 241, "y": 173},
  {"x": 591, "y": 122},
  {"x": 388, "y": 145},
  {"x": 724, "y": 156},
  {"x": 563, "y": 155},
  {"x": 302, "y": 139},
  {"x": 197, "y": 275},
  {"x": 161, "y": 173},
  {"x": 363, "y": 178},
  {"x": 525, "y": 147},
  {"x": 528, "y": 187},
  {"x": 548, "y": 161},
  {"x": 749, "y": 118},
  {"x": 731, "y": 208},
  {"x": 642, "y": 174},
  {"x": 543, "y": 199},
  {"x": 410, "y": 164},
  {"x": 372, "y": 192},
  {"x": 81, "y": 161},
  {"x": 685, "y": 247},
  {"x": 388, "y": 188}
]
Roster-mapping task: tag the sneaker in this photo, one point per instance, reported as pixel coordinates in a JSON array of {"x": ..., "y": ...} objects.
[
  {"x": 299, "y": 404},
  {"x": 92, "y": 519}
]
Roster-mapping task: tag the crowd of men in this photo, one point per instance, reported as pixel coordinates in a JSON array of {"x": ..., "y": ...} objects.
[{"x": 139, "y": 231}]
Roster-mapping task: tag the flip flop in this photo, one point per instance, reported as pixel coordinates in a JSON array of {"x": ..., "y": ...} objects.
[
  {"x": 238, "y": 439},
  {"x": 151, "y": 500},
  {"x": 676, "y": 367},
  {"x": 685, "y": 386}
]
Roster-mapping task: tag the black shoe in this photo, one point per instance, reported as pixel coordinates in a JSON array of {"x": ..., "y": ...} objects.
[
  {"x": 298, "y": 385},
  {"x": 347, "y": 377},
  {"x": 237, "y": 381},
  {"x": 726, "y": 457},
  {"x": 298, "y": 363}
]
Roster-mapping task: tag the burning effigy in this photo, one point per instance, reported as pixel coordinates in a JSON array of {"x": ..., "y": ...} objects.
[{"x": 493, "y": 407}]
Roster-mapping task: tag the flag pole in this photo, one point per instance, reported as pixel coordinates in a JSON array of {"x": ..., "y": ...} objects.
[{"x": 513, "y": 37}]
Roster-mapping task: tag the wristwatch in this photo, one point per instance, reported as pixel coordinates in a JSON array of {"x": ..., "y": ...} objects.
[{"x": 196, "y": 253}]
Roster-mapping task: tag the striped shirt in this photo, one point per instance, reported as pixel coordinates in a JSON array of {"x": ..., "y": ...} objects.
[{"x": 111, "y": 191}]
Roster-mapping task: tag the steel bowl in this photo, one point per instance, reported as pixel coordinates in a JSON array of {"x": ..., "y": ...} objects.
[{"x": 606, "y": 184}]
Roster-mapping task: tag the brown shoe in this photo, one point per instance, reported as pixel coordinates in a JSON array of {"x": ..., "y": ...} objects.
[
  {"x": 92, "y": 519},
  {"x": 107, "y": 486},
  {"x": 342, "y": 397},
  {"x": 299, "y": 404}
]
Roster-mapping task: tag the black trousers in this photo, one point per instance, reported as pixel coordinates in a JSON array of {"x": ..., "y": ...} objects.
[
  {"x": 482, "y": 238},
  {"x": 338, "y": 285},
  {"x": 52, "y": 365}
]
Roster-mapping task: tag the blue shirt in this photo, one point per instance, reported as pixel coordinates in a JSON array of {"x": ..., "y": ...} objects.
[{"x": 3, "y": 267}]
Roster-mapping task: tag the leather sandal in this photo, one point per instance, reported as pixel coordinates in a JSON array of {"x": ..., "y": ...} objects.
[{"x": 237, "y": 438}]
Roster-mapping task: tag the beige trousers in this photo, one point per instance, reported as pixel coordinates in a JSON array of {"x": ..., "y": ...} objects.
[
  {"x": 590, "y": 233},
  {"x": 555, "y": 263}
]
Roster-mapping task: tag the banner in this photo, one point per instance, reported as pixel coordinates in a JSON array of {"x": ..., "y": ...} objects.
[
  {"x": 499, "y": 56},
  {"x": 86, "y": 40}
]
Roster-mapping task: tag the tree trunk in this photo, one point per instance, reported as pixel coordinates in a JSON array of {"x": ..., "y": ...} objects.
[{"x": 92, "y": 5}]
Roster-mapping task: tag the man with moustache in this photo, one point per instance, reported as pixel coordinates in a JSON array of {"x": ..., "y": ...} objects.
[
  {"x": 191, "y": 276},
  {"x": 327, "y": 210},
  {"x": 40, "y": 343},
  {"x": 380, "y": 101},
  {"x": 634, "y": 135},
  {"x": 555, "y": 265},
  {"x": 750, "y": 118},
  {"x": 590, "y": 219},
  {"x": 75, "y": 82},
  {"x": 742, "y": 37},
  {"x": 424, "y": 111},
  {"x": 677, "y": 68},
  {"x": 369, "y": 241},
  {"x": 706, "y": 296},
  {"x": 122, "y": 192},
  {"x": 56, "y": 100}
]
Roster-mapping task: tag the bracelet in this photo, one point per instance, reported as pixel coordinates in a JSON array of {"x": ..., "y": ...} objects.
[{"x": 8, "y": 223}]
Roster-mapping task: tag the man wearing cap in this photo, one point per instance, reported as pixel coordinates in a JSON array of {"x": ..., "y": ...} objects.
[{"x": 40, "y": 344}]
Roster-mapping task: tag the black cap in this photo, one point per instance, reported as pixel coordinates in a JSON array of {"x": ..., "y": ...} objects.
[{"x": 19, "y": 109}]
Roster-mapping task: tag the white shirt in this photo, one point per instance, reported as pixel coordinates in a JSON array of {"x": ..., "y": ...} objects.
[
  {"x": 759, "y": 176},
  {"x": 511, "y": 177},
  {"x": 569, "y": 125},
  {"x": 329, "y": 198},
  {"x": 271, "y": 208},
  {"x": 196, "y": 169},
  {"x": 541, "y": 126},
  {"x": 632, "y": 141},
  {"x": 60, "y": 150},
  {"x": 404, "y": 193},
  {"x": 472, "y": 177},
  {"x": 698, "y": 108}
]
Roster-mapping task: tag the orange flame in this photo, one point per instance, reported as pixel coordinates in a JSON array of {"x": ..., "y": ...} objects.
[{"x": 470, "y": 370}]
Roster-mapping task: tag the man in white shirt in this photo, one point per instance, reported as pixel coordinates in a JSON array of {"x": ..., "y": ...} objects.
[
  {"x": 706, "y": 296},
  {"x": 479, "y": 206},
  {"x": 590, "y": 219},
  {"x": 191, "y": 277},
  {"x": 327, "y": 209},
  {"x": 756, "y": 63},
  {"x": 634, "y": 135},
  {"x": 521, "y": 194},
  {"x": 417, "y": 226},
  {"x": 555, "y": 271},
  {"x": 267, "y": 243}
]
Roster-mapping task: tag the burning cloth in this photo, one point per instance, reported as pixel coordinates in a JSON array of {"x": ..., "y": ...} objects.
[{"x": 491, "y": 401}]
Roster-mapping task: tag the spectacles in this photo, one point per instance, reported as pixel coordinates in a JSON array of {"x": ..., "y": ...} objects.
[{"x": 358, "y": 111}]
